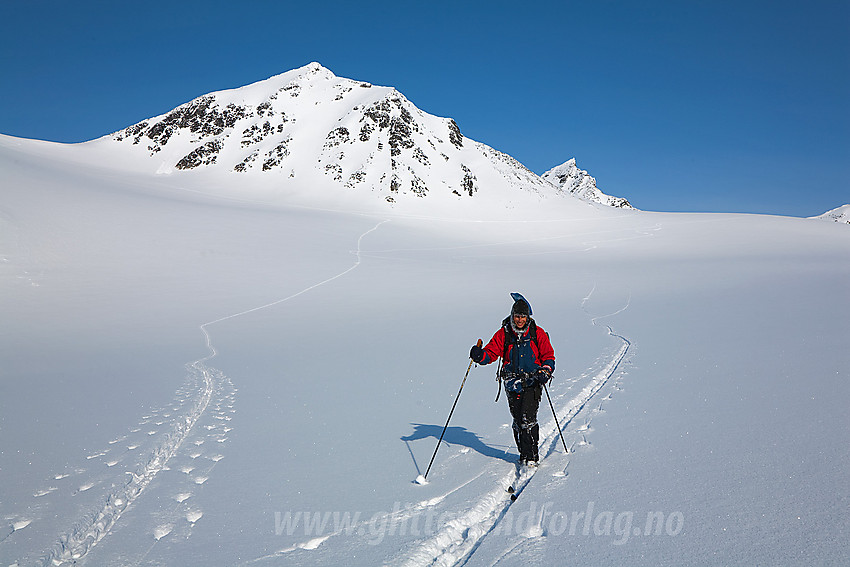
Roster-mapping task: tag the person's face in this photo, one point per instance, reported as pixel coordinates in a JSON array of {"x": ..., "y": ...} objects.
[{"x": 520, "y": 320}]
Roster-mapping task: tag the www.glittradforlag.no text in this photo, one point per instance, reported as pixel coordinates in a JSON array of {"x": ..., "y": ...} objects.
[{"x": 535, "y": 519}]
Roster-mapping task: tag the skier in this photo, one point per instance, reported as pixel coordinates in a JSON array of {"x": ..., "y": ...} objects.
[{"x": 528, "y": 361}]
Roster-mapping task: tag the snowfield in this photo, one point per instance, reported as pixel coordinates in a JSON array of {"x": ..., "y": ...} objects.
[{"x": 195, "y": 375}]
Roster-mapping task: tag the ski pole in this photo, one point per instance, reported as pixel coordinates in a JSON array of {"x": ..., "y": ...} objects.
[
  {"x": 545, "y": 389},
  {"x": 480, "y": 342}
]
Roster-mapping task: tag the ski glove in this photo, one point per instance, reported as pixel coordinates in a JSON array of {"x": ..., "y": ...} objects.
[
  {"x": 543, "y": 375},
  {"x": 514, "y": 383},
  {"x": 476, "y": 353}
]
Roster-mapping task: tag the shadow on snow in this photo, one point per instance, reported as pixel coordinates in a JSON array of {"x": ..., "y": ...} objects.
[{"x": 454, "y": 436}]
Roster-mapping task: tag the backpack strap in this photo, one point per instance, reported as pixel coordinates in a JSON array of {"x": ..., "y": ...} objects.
[
  {"x": 505, "y": 327},
  {"x": 532, "y": 330},
  {"x": 509, "y": 340},
  {"x": 510, "y": 337}
]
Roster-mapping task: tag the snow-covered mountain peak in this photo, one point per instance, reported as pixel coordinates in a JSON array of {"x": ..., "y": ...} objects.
[
  {"x": 578, "y": 182},
  {"x": 308, "y": 130}
]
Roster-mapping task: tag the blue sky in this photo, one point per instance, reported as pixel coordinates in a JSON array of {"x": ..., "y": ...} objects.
[{"x": 738, "y": 106}]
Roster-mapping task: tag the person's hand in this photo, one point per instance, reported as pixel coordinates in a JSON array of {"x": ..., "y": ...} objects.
[
  {"x": 514, "y": 383},
  {"x": 543, "y": 375},
  {"x": 476, "y": 353}
]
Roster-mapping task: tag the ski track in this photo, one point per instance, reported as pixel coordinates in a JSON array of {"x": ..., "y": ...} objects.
[
  {"x": 394, "y": 517},
  {"x": 459, "y": 539},
  {"x": 171, "y": 427}
]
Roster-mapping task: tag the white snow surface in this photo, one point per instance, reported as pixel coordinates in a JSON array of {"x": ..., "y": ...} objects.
[
  {"x": 839, "y": 214},
  {"x": 197, "y": 372}
]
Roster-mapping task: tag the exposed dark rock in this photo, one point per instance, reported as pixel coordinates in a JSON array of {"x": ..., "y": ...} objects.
[
  {"x": 264, "y": 108},
  {"x": 275, "y": 156},
  {"x": 134, "y": 132},
  {"x": 421, "y": 157},
  {"x": 342, "y": 93},
  {"x": 203, "y": 155},
  {"x": 418, "y": 187},
  {"x": 391, "y": 115},
  {"x": 336, "y": 137},
  {"x": 355, "y": 178},
  {"x": 243, "y": 166},
  {"x": 293, "y": 89},
  {"x": 366, "y": 132},
  {"x": 334, "y": 169},
  {"x": 468, "y": 183},
  {"x": 455, "y": 137},
  {"x": 400, "y": 136},
  {"x": 255, "y": 135},
  {"x": 202, "y": 117}
]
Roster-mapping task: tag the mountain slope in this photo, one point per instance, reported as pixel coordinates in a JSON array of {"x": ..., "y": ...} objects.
[
  {"x": 309, "y": 127},
  {"x": 839, "y": 214}
]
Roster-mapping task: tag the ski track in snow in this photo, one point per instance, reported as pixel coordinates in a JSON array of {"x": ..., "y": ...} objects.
[
  {"x": 186, "y": 419},
  {"x": 458, "y": 540},
  {"x": 398, "y": 516}
]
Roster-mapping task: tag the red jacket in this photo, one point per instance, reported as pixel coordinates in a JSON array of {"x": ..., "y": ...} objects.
[{"x": 524, "y": 355}]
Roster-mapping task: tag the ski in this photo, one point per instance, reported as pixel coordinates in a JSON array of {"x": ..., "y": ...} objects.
[{"x": 523, "y": 476}]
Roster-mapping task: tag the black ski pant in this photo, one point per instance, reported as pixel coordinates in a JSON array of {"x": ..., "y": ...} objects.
[{"x": 523, "y": 408}]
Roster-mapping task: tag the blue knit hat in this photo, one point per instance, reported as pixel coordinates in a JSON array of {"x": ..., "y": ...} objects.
[{"x": 521, "y": 305}]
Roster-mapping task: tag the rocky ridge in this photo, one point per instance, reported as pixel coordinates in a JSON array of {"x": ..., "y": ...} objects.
[
  {"x": 311, "y": 125},
  {"x": 311, "y": 128}
]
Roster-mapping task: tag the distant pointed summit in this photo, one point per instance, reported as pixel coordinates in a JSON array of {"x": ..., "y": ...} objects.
[{"x": 579, "y": 183}]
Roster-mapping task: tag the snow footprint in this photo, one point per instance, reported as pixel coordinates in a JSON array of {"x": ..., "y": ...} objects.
[
  {"x": 84, "y": 487},
  {"x": 162, "y": 531},
  {"x": 13, "y": 527},
  {"x": 18, "y": 525}
]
